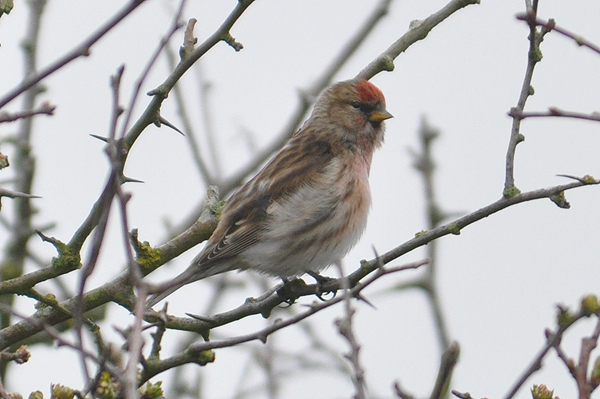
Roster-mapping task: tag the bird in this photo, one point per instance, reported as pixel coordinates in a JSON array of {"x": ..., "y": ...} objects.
[{"x": 308, "y": 206}]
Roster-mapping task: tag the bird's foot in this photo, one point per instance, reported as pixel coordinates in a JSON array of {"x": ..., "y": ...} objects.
[
  {"x": 322, "y": 285},
  {"x": 290, "y": 289}
]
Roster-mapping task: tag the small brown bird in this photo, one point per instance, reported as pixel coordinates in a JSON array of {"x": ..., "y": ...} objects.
[{"x": 308, "y": 206}]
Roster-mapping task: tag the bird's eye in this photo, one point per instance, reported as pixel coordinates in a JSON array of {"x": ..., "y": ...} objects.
[{"x": 357, "y": 104}]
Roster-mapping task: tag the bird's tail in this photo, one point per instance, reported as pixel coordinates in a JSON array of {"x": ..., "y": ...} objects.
[
  {"x": 162, "y": 293},
  {"x": 190, "y": 275}
]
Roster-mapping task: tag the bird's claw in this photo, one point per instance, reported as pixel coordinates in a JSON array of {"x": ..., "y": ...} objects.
[{"x": 321, "y": 282}]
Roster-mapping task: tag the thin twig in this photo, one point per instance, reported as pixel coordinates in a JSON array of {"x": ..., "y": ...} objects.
[
  {"x": 551, "y": 26},
  {"x": 555, "y": 112},
  {"x": 190, "y": 135},
  {"x": 99, "y": 233},
  {"x": 423, "y": 162},
  {"x": 175, "y": 26},
  {"x": 533, "y": 57},
  {"x": 82, "y": 50},
  {"x": 44, "y": 109},
  {"x": 346, "y": 329},
  {"x": 536, "y": 364}
]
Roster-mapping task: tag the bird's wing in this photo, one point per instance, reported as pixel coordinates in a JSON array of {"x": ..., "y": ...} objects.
[{"x": 245, "y": 217}]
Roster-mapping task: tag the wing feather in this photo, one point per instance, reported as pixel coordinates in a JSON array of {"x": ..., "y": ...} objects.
[{"x": 244, "y": 218}]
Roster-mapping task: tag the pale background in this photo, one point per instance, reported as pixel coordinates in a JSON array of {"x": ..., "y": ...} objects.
[{"x": 499, "y": 280}]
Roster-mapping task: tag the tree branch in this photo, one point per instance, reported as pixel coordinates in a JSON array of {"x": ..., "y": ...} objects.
[
  {"x": 418, "y": 31},
  {"x": 83, "y": 50}
]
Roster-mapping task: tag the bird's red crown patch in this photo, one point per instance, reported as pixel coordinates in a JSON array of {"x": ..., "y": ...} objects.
[{"x": 368, "y": 92}]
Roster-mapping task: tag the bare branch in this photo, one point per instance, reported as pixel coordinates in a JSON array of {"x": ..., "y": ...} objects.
[
  {"x": 534, "y": 56},
  {"x": 195, "y": 350},
  {"x": 565, "y": 321},
  {"x": 550, "y": 25},
  {"x": 424, "y": 163},
  {"x": 447, "y": 364},
  {"x": 418, "y": 31},
  {"x": 555, "y": 112},
  {"x": 175, "y": 26},
  {"x": 346, "y": 329},
  {"x": 44, "y": 109},
  {"x": 454, "y": 227},
  {"x": 83, "y": 50}
]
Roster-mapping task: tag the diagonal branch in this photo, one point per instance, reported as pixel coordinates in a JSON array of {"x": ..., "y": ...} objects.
[
  {"x": 120, "y": 291},
  {"x": 151, "y": 115},
  {"x": 83, "y": 50},
  {"x": 155, "y": 367},
  {"x": 418, "y": 31}
]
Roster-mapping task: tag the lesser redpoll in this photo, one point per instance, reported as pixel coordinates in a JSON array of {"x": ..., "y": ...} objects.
[{"x": 308, "y": 206}]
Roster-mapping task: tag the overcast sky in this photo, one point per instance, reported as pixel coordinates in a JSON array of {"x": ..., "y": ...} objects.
[{"x": 499, "y": 280}]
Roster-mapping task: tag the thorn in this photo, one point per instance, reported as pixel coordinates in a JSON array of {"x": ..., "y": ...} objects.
[
  {"x": 43, "y": 236},
  {"x": 59, "y": 245},
  {"x": 131, "y": 180},
  {"x": 570, "y": 177},
  {"x": 377, "y": 258},
  {"x": 362, "y": 298},
  {"x": 200, "y": 318},
  {"x": 163, "y": 121},
  {"x": 587, "y": 179},
  {"x": 15, "y": 194},
  {"x": 105, "y": 139}
]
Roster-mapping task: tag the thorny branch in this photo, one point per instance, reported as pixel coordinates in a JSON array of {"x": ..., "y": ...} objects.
[
  {"x": 175, "y": 26},
  {"x": 149, "y": 116},
  {"x": 151, "y": 369},
  {"x": 120, "y": 289}
]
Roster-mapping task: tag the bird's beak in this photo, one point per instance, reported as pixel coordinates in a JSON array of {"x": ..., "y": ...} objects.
[{"x": 379, "y": 116}]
